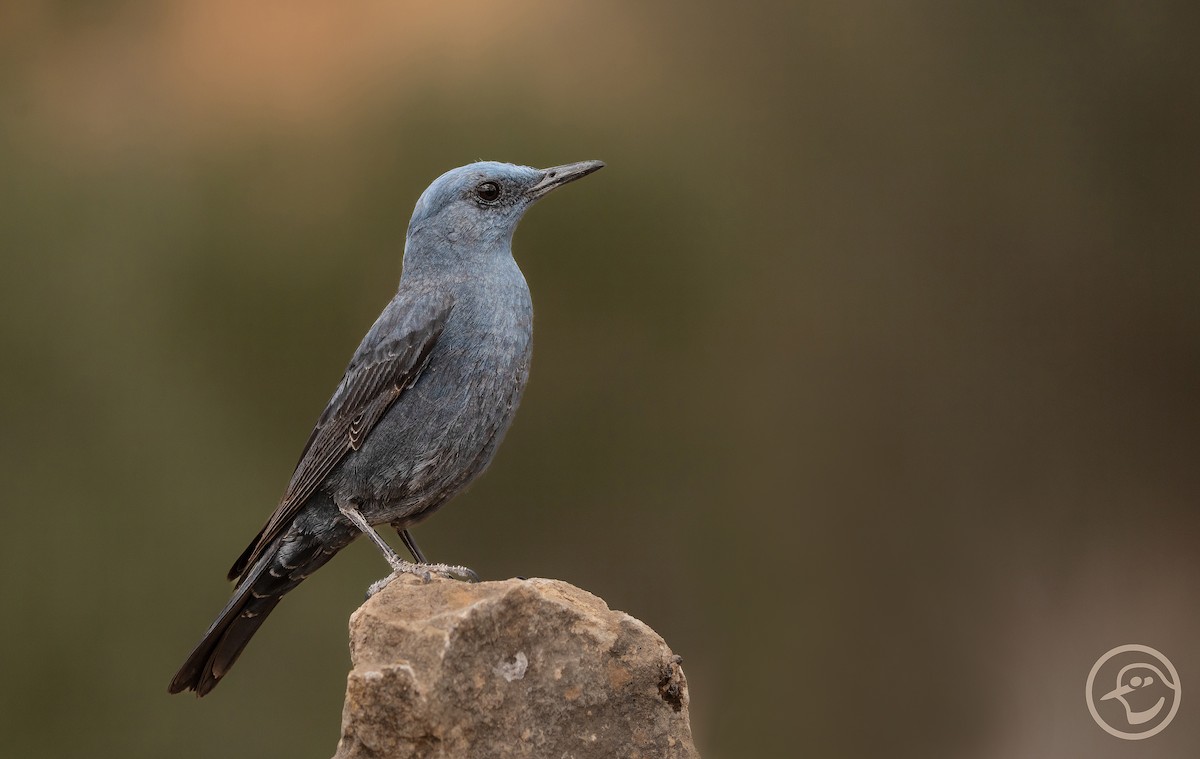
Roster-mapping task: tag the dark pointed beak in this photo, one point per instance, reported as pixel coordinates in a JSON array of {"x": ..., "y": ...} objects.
[{"x": 557, "y": 176}]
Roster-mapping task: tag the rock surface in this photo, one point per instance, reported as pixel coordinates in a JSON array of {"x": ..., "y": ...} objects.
[{"x": 519, "y": 668}]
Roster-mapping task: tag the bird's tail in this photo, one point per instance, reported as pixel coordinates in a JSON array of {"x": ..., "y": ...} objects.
[{"x": 278, "y": 570}]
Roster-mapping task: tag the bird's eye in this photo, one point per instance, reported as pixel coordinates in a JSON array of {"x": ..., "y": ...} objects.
[{"x": 488, "y": 192}]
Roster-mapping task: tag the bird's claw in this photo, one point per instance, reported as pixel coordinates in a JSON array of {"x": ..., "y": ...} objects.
[
  {"x": 426, "y": 573},
  {"x": 379, "y": 585},
  {"x": 452, "y": 571}
]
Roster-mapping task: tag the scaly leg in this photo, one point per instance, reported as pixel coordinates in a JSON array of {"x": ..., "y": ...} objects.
[
  {"x": 399, "y": 566},
  {"x": 411, "y": 544}
]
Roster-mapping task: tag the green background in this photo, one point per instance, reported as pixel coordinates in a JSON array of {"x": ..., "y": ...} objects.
[{"x": 866, "y": 373}]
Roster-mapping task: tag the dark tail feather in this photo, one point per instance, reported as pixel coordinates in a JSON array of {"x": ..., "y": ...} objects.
[
  {"x": 226, "y": 636},
  {"x": 280, "y": 569},
  {"x": 238, "y": 570}
]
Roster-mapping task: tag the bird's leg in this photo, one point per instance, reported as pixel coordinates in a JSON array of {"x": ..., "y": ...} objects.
[
  {"x": 399, "y": 565},
  {"x": 465, "y": 573},
  {"x": 411, "y": 545}
]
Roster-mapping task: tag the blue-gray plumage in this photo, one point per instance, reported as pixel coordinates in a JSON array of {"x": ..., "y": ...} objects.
[{"x": 426, "y": 399}]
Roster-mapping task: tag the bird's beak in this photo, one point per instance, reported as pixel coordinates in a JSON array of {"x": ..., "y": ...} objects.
[
  {"x": 1117, "y": 692},
  {"x": 557, "y": 176}
]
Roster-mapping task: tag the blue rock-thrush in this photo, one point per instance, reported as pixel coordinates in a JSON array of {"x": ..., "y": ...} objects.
[{"x": 422, "y": 407}]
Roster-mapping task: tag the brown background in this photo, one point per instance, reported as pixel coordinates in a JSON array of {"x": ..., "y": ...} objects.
[{"x": 866, "y": 373}]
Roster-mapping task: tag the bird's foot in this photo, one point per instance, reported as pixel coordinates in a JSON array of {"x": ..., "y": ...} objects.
[
  {"x": 453, "y": 571},
  {"x": 425, "y": 572}
]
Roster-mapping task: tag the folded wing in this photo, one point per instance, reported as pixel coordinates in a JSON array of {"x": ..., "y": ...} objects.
[{"x": 388, "y": 362}]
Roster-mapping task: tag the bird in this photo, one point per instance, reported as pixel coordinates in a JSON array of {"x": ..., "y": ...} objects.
[
  {"x": 1141, "y": 680},
  {"x": 425, "y": 401}
]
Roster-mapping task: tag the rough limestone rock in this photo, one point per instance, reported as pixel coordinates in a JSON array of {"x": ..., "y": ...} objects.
[{"x": 519, "y": 668}]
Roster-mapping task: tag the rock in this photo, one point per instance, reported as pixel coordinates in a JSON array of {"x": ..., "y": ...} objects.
[{"x": 519, "y": 668}]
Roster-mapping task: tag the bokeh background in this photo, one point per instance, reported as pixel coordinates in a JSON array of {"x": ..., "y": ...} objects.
[{"x": 866, "y": 373}]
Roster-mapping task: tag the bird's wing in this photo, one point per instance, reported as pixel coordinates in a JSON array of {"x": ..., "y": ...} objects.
[{"x": 388, "y": 362}]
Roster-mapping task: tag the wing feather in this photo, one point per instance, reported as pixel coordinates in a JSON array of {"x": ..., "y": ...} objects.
[{"x": 388, "y": 362}]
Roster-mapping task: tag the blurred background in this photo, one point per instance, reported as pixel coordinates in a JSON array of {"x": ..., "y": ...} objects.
[{"x": 867, "y": 372}]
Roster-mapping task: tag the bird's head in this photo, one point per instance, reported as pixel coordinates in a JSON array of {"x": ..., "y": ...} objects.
[
  {"x": 1143, "y": 683},
  {"x": 475, "y": 208}
]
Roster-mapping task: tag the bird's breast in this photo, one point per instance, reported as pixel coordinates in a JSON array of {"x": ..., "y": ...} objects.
[{"x": 443, "y": 431}]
